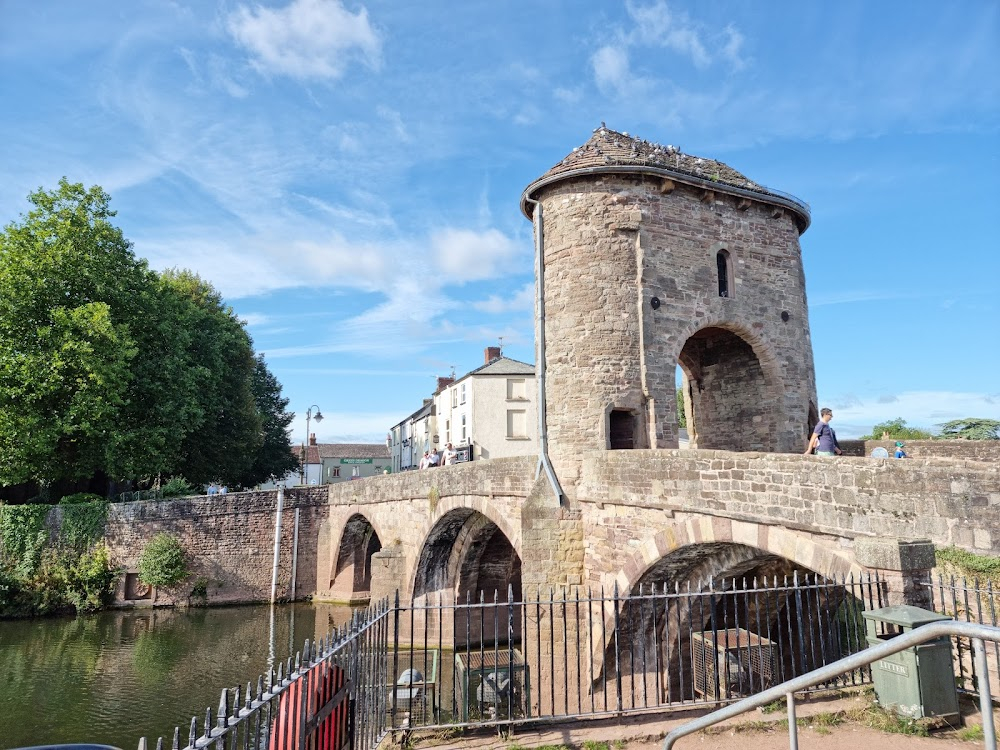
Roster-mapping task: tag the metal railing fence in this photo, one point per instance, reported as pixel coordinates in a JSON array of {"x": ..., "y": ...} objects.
[
  {"x": 975, "y": 633},
  {"x": 331, "y": 695},
  {"x": 562, "y": 656},
  {"x": 976, "y": 603},
  {"x": 575, "y": 653}
]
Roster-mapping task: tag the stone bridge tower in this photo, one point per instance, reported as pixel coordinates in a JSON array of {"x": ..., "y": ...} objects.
[{"x": 654, "y": 260}]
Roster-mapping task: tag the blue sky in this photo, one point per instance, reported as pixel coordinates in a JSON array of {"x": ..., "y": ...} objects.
[{"x": 347, "y": 174}]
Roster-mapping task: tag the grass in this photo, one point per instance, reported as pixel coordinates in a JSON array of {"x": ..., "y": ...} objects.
[
  {"x": 884, "y": 720},
  {"x": 971, "y": 733}
]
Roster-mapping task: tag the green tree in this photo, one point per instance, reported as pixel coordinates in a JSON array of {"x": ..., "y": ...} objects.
[
  {"x": 973, "y": 428},
  {"x": 275, "y": 458},
  {"x": 228, "y": 432},
  {"x": 681, "y": 414},
  {"x": 68, "y": 281},
  {"x": 897, "y": 430}
]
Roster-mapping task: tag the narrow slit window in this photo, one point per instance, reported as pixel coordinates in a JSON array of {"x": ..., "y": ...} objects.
[{"x": 722, "y": 261}]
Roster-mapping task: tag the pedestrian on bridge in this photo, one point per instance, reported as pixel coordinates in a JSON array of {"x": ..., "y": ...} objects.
[{"x": 824, "y": 439}]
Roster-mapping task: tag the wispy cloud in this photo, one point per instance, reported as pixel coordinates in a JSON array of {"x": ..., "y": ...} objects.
[
  {"x": 522, "y": 301},
  {"x": 308, "y": 39}
]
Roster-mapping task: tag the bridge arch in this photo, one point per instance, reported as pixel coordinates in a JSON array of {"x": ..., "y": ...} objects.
[
  {"x": 351, "y": 575},
  {"x": 468, "y": 546},
  {"x": 739, "y": 562},
  {"x": 801, "y": 549}
]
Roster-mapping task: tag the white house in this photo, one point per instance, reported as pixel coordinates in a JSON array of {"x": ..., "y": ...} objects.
[
  {"x": 490, "y": 412},
  {"x": 409, "y": 439}
]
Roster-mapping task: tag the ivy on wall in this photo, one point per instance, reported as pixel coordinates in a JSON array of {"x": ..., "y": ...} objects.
[{"x": 41, "y": 577}]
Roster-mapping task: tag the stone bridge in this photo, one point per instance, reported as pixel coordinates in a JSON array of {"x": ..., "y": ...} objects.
[{"x": 645, "y": 517}]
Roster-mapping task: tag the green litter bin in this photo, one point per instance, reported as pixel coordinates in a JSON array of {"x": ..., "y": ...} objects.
[{"x": 918, "y": 681}]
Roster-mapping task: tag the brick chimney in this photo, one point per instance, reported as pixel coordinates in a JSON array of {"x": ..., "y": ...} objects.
[
  {"x": 312, "y": 438},
  {"x": 444, "y": 383},
  {"x": 491, "y": 353}
]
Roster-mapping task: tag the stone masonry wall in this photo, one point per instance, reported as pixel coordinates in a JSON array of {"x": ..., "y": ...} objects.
[
  {"x": 612, "y": 243},
  {"x": 970, "y": 450},
  {"x": 949, "y": 502},
  {"x": 228, "y": 539}
]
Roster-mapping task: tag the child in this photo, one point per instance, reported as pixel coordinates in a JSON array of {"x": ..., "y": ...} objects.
[{"x": 900, "y": 453}]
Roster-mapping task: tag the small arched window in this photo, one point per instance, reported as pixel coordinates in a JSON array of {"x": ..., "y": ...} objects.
[{"x": 722, "y": 261}]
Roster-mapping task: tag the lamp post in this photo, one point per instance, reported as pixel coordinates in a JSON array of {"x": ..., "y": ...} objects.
[{"x": 305, "y": 449}]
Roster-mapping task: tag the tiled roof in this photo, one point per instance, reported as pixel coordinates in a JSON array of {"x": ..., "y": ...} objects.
[
  {"x": 353, "y": 450},
  {"x": 501, "y": 366},
  {"x": 312, "y": 454},
  {"x": 611, "y": 151}
]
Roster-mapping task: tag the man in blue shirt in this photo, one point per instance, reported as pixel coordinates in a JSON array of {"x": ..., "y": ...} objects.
[
  {"x": 824, "y": 439},
  {"x": 900, "y": 453}
]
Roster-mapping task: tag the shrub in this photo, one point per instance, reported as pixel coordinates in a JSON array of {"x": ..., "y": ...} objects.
[
  {"x": 177, "y": 487},
  {"x": 90, "y": 580},
  {"x": 162, "y": 562},
  {"x": 80, "y": 497}
]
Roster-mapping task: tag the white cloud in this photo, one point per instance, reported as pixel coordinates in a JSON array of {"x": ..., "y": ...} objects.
[
  {"x": 306, "y": 39},
  {"x": 255, "y": 319},
  {"x": 522, "y": 301},
  {"x": 611, "y": 69},
  {"x": 656, "y": 24},
  {"x": 855, "y": 416},
  {"x": 467, "y": 255}
]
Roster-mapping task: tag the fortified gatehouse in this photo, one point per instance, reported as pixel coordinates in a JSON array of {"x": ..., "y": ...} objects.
[
  {"x": 622, "y": 567},
  {"x": 650, "y": 261}
]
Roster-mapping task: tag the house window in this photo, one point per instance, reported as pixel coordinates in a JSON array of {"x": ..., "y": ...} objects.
[
  {"x": 517, "y": 424},
  {"x": 516, "y": 390},
  {"x": 333, "y": 472},
  {"x": 722, "y": 262},
  {"x": 447, "y": 430},
  {"x": 463, "y": 426},
  {"x": 463, "y": 393},
  {"x": 454, "y": 397}
]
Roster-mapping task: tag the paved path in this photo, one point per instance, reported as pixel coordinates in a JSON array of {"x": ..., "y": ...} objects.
[{"x": 747, "y": 733}]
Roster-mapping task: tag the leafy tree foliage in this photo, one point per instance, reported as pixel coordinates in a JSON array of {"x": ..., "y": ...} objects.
[
  {"x": 971, "y": 429},
  {"x": 106, "y": 366},
  {"x": 897, "y": 429},
  {"x": 681, "y": 414},
  {"x": 274, "y": 460},
  {"x": 68, "y": 279}
]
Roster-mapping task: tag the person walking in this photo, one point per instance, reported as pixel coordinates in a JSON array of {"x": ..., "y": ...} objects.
[
  {"x": 824, "y": 439},
  {"x": 449, "y": 455}
]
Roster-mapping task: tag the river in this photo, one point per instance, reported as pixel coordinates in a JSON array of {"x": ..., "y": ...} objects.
[{"x": 116, "y": 676}]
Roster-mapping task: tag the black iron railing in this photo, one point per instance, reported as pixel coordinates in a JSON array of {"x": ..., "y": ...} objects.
[{"x": 563, "y": 655}]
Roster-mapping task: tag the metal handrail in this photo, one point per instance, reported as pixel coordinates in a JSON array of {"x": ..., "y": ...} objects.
[{"x": 974, "y": 631}]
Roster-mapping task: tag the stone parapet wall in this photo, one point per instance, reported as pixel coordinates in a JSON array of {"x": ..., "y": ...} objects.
[
  {"x": 949, "y": 502},
  {"x": 498, "y": 476},
  {"x": 228, "y": 540},
  {"x": 970, "y": 450}
]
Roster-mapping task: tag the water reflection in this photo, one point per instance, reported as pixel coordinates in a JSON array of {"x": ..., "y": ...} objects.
[{"x": 115, "y": 676}]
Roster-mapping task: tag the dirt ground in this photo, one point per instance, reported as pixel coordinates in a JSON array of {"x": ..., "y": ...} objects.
[{"x": 832, "y": 725}]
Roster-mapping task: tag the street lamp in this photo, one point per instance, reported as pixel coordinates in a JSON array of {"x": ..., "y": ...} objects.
[{"x": 309, "y": 416}]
